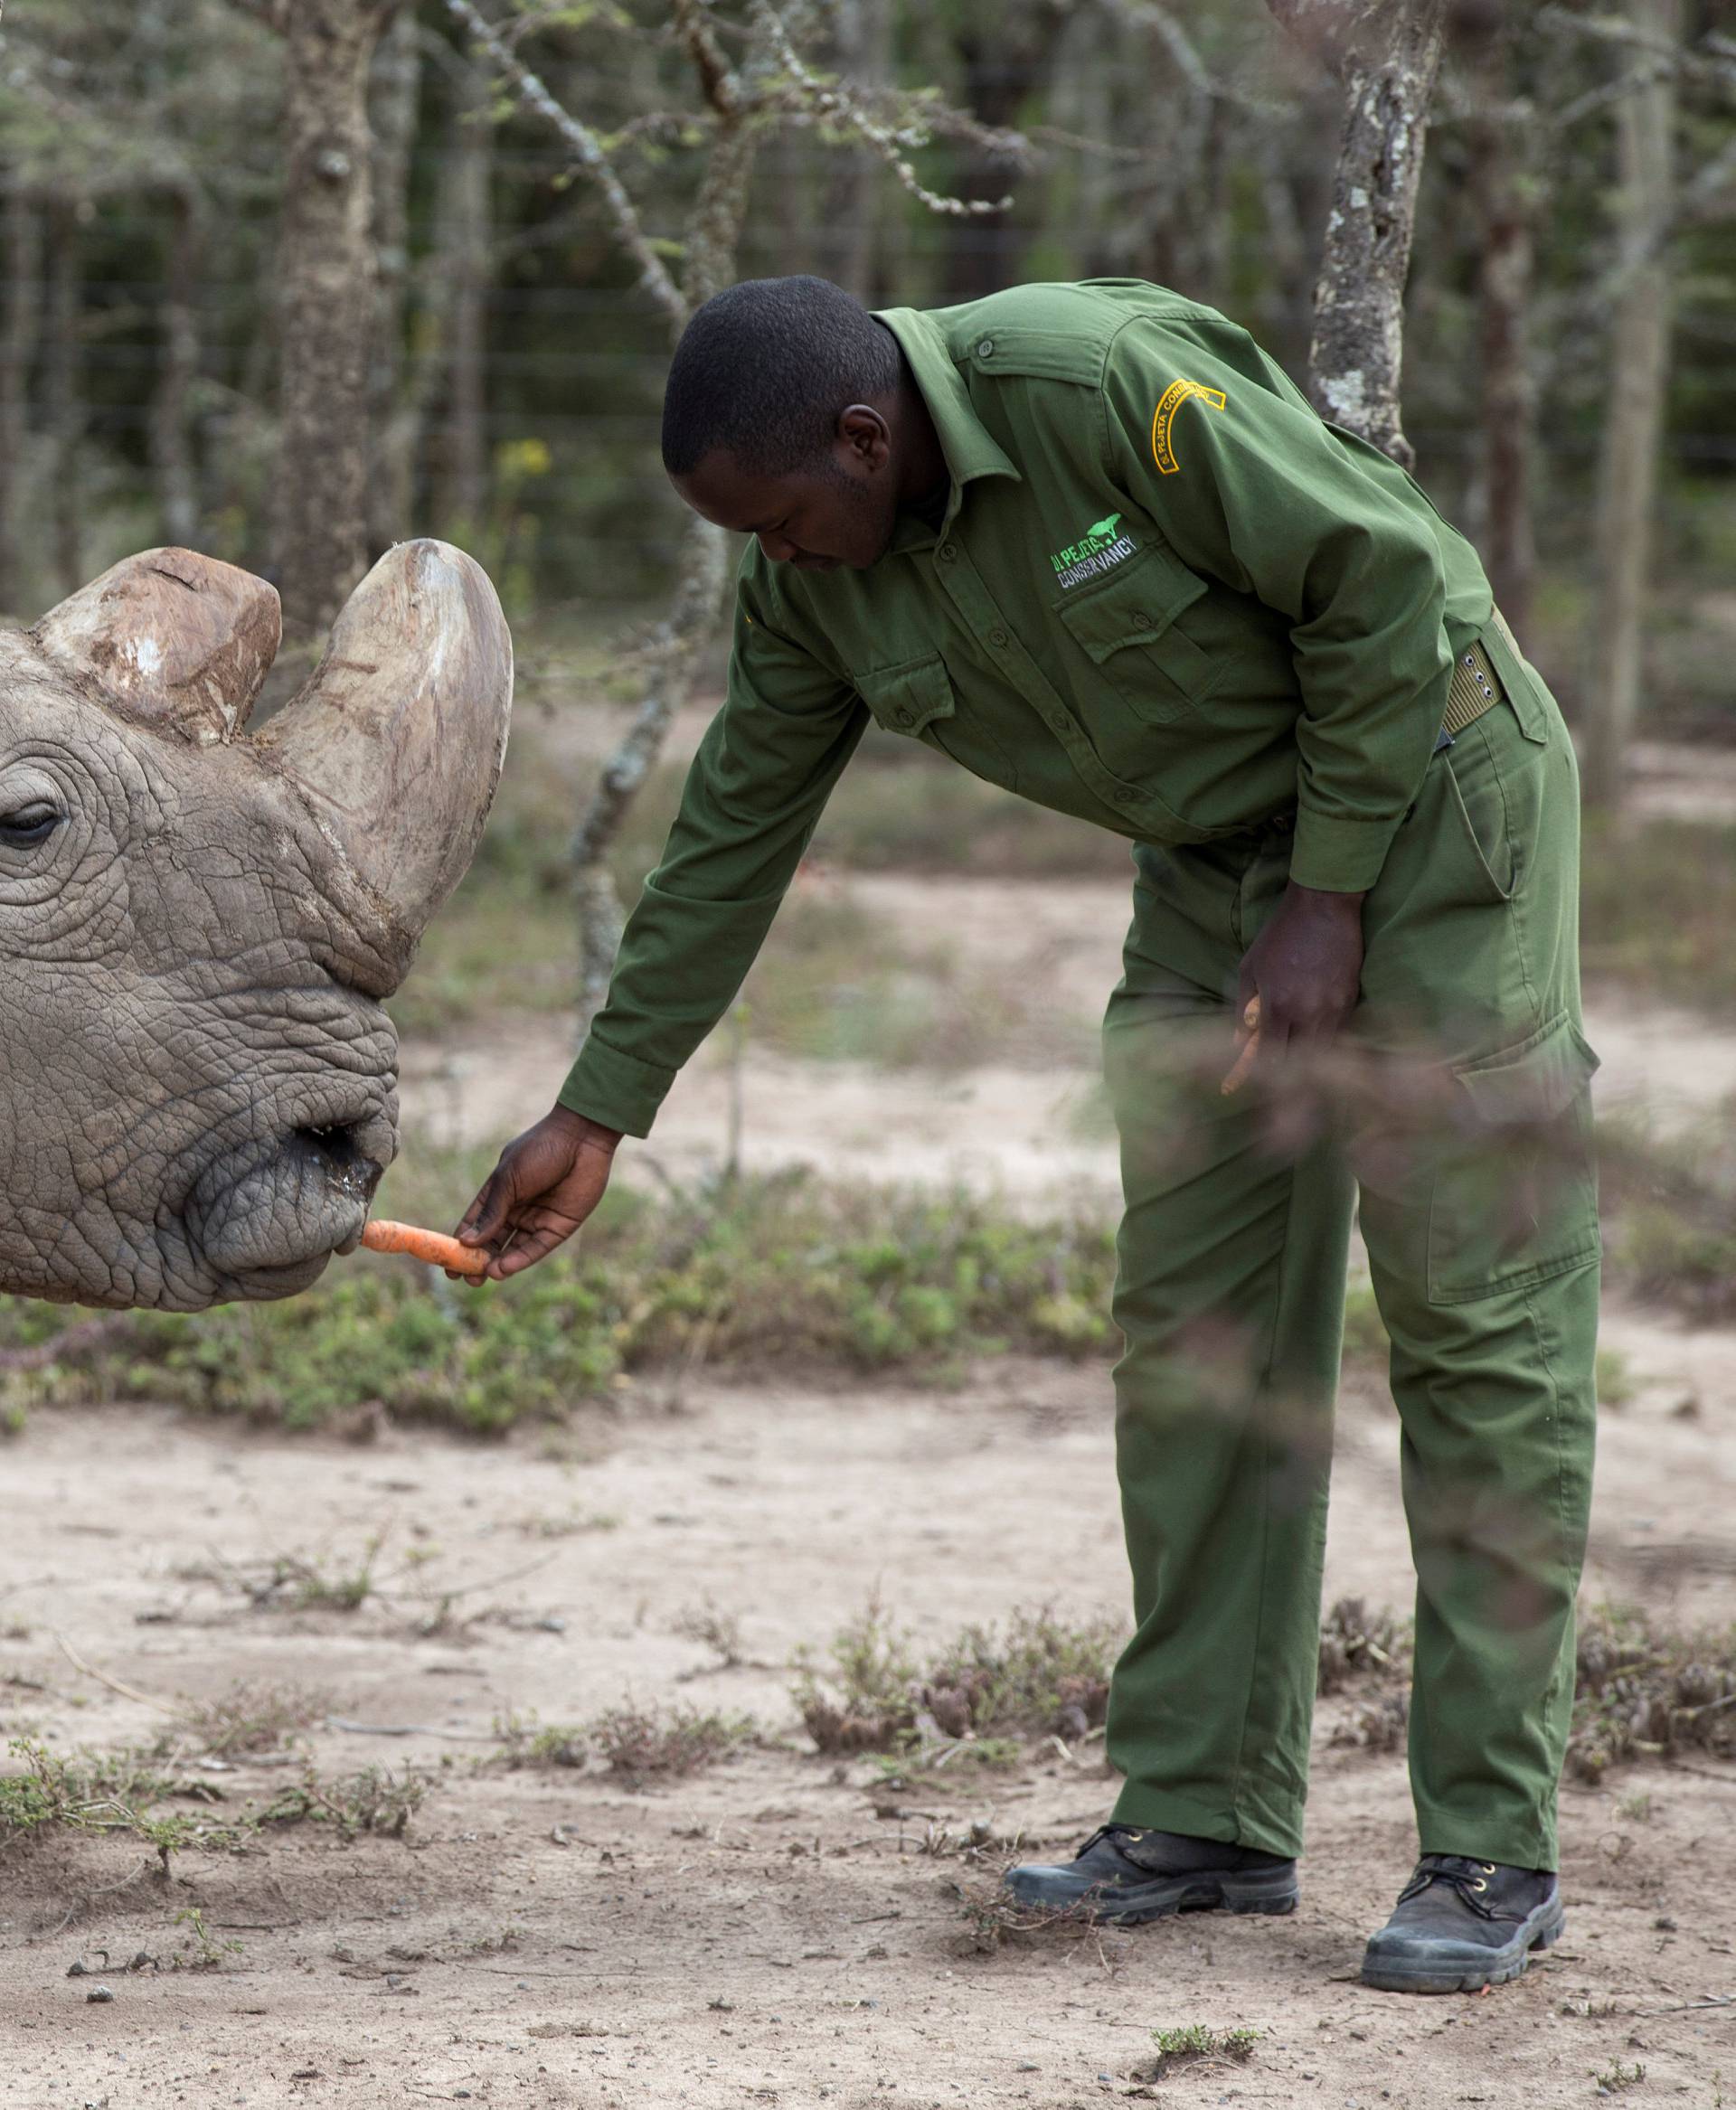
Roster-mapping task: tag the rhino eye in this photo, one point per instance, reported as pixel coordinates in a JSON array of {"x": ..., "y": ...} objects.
[{"x": 27, "y": 825}]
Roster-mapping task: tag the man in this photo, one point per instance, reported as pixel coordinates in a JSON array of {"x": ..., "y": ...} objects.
[{"x": 1089, "y": 541}]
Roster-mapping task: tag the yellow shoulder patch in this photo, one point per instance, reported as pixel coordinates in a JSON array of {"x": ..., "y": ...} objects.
[{"x": 1175, "y": 396}]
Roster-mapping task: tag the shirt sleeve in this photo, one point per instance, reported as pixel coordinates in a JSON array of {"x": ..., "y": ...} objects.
[
  {"x": 757, "y": 787},
  {"x": 1247, "y": 484}
]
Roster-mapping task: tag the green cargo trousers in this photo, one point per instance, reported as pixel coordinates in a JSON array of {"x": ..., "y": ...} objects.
[{"x": 1467, "y": 1133}]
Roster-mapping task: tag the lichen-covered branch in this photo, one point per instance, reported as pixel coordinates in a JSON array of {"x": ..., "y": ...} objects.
[
  {"x": 1387, "y": 56},
  {"x": 529, "y": 89}
]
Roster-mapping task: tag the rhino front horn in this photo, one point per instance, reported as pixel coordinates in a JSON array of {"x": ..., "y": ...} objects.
[
  {"x": 397, "y": 740},
  {"x": 170, "y": 639}
]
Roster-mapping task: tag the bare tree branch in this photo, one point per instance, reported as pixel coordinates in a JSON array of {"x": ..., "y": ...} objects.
[{"x": 529, "y": 90}]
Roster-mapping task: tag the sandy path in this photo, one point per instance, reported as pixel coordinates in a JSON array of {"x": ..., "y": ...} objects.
[
  {"x": 756, "y": 1934},
  {"x": 1037, "y": 1131}
]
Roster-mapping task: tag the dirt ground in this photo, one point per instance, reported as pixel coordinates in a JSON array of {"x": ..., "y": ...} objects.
[
  {"x": 776, "y": 1929},
  {"x": 771, "y": 1930}
]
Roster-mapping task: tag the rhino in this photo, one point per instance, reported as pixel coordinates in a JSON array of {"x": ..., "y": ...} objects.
[{"x": 198, "y": 924}]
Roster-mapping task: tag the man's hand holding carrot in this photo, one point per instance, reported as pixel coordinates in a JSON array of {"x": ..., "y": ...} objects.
[{"x": 547, "y": 1183}]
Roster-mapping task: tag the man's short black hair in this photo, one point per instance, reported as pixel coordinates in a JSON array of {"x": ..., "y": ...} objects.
[{"x": 763, "y": 370}]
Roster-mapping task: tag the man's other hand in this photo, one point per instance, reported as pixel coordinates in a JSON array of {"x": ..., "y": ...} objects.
[
  {"x": 547, "y": 1183},
  {"x": 1305, "y": 966}
]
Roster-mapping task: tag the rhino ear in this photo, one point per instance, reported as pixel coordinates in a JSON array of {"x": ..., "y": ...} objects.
[{"x": 172, "y": 640}]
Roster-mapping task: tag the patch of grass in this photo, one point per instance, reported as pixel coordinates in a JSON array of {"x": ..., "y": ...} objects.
[
  {"x": 784, "y": 1270},
  {"x": 637, "y": 1743},
  {"x": 1615, "y": 1384},
  {"x": 984, "y": 1691},
  {"x": 122, "y": 1792},
  {"x": 252, "y": 1715},
  {"x": 1641, "y": 1691},
  {"x": 720, "y": 1631},
  {"x": 116, "y": 1792},
  {"x": 643, "y": 1743},
  {"x": 374, "y": 1799},
  {"x": 1358, "y": 1643},
  {"x": 1194, "y": 2044},
  {"x": 1614, "y": 2079}
]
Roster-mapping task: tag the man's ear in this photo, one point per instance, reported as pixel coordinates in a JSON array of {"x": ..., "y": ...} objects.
[{"x": 865, "y": 434}]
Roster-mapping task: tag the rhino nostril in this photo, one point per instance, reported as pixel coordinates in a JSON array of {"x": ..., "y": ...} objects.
[{"x": 338, "y": 1148}]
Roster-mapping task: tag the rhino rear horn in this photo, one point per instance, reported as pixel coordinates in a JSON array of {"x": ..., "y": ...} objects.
[
  {"x": 396, "y": 743},
  {"x": 170, "y": 639}
]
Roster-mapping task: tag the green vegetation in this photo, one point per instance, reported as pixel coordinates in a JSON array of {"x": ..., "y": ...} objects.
[
  {"x": 637, "y": 1743},
  {"x": 752, "y": 1273},
  {"x": 123, "y": 1792},
  {"x": 1642, "y": 1691},
  {"x": 1613, "y": 2079},
  {"x": 1038, "y": 1676},
  {"x": 1194, "y": 2044},
  {"x": 250, "y": 1716}
]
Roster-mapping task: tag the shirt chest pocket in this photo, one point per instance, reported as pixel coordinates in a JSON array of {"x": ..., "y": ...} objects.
[
  {"x": 1126, "y": 625},
  {"x": 916, "y": 699},
  {"x": 911, "y": 699}
]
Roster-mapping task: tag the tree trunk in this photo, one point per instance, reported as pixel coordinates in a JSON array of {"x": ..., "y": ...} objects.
[
  {"x": 1386, "y": 56},
  {"x": 470, "y": 260},
  {"x": 172, "y": 463},
  {"x": 864, "y": 40},
  {"x": 18, "y": 332},
  {"x": 64, "y": 414},
  {"x": 1003, "y": 61},
  {"x": 1639, "y": 372},
  {"x": 326, "y": 277},
  {"x": 393, "y": 96},
  {"x": 1501, "y": 189}
]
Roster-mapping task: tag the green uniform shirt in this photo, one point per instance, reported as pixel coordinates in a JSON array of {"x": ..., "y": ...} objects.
[{"x": 1164, "y": 596}]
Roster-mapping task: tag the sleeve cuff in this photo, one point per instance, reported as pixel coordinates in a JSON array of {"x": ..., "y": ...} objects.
[
  {"x": 1339, "y": 855},
  {"x": 619, "y": 1090}
]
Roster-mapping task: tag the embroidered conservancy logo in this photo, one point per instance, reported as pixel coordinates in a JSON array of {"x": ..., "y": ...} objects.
[
  {"x": 1175, "y": 396},
  {"x": 1098, "y": 550}
]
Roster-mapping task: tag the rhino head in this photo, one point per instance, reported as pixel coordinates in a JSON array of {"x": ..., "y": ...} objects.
[{"x": 198, "y": 1093}]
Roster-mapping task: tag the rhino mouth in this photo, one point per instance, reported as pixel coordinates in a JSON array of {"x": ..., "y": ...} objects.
[{"x": 268, "y": 1217}]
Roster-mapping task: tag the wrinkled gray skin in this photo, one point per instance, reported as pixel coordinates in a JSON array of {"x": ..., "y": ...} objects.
[{"x": 197, "y": 1081}]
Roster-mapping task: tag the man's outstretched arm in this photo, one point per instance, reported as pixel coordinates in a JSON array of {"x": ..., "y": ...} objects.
[{"x": 757, "y": 787}]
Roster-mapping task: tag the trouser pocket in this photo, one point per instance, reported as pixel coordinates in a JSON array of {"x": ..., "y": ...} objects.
[{"x": 1513, "y": 1193}]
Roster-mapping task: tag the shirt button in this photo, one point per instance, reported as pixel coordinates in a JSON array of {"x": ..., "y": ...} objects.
[
  {"x": 998, "y": 638},
  {"x": 904, "y": 717},
  {"x": 1126, "y": 796},
  {"x": 948, "y": 552},
  {"x": 985, "y": 348},
  {"x": 1058, "y": 721},
  {"x": 1142, "y": 621}
]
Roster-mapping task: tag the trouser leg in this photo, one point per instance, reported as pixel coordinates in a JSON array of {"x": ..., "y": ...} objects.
[
  {"x": 1229, "y": 1292},
  {"x": 1483, "y": 1240}
]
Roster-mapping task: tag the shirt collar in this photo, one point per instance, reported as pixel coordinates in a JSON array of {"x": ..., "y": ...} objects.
[{"x": 970, "y": 449}]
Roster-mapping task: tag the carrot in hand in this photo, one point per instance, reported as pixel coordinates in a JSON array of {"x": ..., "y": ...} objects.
[
  {"x": 381, "y": 1235},
  {"x": 1244, "y": 1060}
]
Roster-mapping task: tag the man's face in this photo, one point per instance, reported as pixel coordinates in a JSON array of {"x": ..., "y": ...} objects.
[{"x": 839, "y": 509}]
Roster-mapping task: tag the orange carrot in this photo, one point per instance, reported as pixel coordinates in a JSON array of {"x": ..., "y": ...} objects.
[
  {"x": 381, "y": 1235},
  {"x": 1244, "y": 1060}
]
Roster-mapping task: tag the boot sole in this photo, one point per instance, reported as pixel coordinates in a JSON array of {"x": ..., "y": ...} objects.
[
  {"x": 1421, "y": 1974},
  {"x": 1170, "y": 1895}
]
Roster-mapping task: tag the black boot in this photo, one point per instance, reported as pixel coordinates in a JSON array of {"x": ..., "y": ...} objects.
[
  {"x": 1122, "y": 1874},
  {"x": 1460, "y": 1924}
]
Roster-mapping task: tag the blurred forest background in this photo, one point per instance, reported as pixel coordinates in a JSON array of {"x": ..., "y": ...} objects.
[
  {"x": 288, "y": 279},
  {"x": 156, "y": 291}
]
